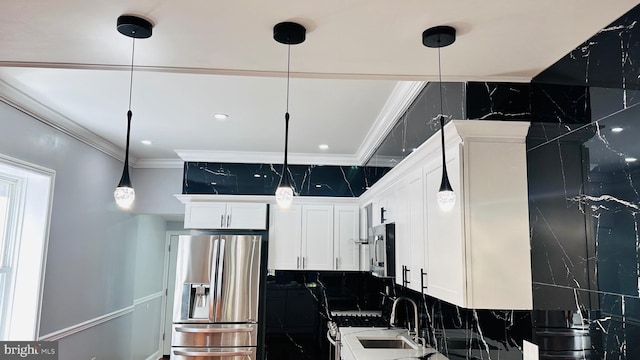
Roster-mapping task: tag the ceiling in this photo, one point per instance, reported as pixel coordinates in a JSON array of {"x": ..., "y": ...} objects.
[{"x": 362, "y": 62}]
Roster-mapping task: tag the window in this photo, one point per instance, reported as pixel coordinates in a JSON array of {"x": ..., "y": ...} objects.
[
  {"x": 25, "y": 202},
  {"x": 8, "y": 203}
]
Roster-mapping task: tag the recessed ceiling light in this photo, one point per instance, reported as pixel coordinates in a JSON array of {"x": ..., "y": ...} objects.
[
  {"x": 318, "y": 185},
  {"x": 214, "y": 183},
  {"x": 323, "y": 146},
  {"x": 220, "y": 116},
  {"x": 257, "y": 175},
  {"x": 616, "y": 129},
  {"x": 630, "y": 159},
  {"x": 146, "y": 142}
]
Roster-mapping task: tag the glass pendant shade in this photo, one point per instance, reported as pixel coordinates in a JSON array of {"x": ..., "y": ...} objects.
[
  {"x": 446, "y": 200},
  {"x": 446, "y": 197},
  {"x": 284, "y": 196},
  {"x": 124, "y": 196}
]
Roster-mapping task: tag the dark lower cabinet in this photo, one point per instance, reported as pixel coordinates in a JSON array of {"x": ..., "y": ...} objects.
[
  {"x": 293, "y": 324},
  {"x": 292, "y": 311}
]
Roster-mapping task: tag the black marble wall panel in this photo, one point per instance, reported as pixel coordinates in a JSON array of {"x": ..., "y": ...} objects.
[
  {"x": 498, "y": 101},
  {"x": 584, "y": 205},
  {"x": 560, "y": 104},
  {"x": 608, "y": 59},
  {"x": 420, "y": 122},
  {"x": 583, "y": 184},
  {"x": 263, "y": 179}
]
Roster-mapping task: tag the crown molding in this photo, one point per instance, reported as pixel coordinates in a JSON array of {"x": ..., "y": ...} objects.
[
  {"x": 19, "y": 100},
  {"x": 158, "y": 164},
  {"x": 266, "y": 73},
  {"x": 401, "y": 97},
  {"x": 266, "y": 157}
]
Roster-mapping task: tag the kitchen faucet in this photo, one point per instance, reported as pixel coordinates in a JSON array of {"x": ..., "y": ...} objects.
[{"x": 393, "y": 320}]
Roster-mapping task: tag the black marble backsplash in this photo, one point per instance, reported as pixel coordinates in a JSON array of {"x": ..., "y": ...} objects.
[{"x": 263, "y": 179}]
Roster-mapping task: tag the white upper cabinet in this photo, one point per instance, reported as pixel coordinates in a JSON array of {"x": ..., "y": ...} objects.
[
  {"x": 477, "y": 255},
  {"x": 346, "y": 237},
  {"x": 314, "y": 237},
  {"x": 402, "y": 241},
  {"x": 225, "y": 215},
  {"x": 445, "y": 256},
  {"x": 285, "y": 238},
  {"x": 317, "y": 237},
  {"x": 415, "y": 232},
  {"x": 384, "y": 208}
]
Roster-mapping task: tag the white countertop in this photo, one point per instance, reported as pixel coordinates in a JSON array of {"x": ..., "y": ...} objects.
[{"x": 353, "y": 350}]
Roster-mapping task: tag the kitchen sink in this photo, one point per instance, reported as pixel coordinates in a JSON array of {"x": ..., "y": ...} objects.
[{"x": 394, "y": 343}]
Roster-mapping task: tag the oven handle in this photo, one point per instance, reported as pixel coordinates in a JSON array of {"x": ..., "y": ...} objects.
[
  {"x": 213, "y": 354},
  {"x": 187, "y": 329},
  {"x": 333, "y": 342},
  {"x": 336, "y": 344}
]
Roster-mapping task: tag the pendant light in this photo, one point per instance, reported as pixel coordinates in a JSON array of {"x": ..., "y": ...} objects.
[
  {"x": 135, "y": 28},
  {"x": 438, "y": 37},
  {"x": 288, "y": 33}
]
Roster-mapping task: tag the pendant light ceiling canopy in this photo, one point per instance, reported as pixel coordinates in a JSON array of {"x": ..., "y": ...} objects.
[
  {"x": 288, "y": 33},
  {"x": 438, "y": 37},
  {"x": 135, "y": 28}
]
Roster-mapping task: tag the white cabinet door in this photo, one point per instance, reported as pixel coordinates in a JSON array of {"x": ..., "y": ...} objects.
[
  {"x": 205, "y": 215},
  {"x": 446, "y": 256},
  {"x": 285, "y": 234},
  {"x": 417, "y": 223},
  {"x": 345, "y": 237},
  {"x": 251, "y": 216},
  {"x": 403, "y": 243},
  {"x": 222, "y": 215},
  {"x": 317, "y": 237}
]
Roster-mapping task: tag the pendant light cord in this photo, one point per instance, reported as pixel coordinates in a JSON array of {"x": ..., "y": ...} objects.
[
  {"x": 286, "y": 117},
  {"x": 133, "y": 51},
  {"x": 288, "y": 72},
  {"x": 441, "y": 109},
  {"x": 129, "y": 113}
]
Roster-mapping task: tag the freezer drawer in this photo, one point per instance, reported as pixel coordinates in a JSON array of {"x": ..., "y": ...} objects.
[
  {"x": 214, "y": 335},
  {"x": 194, "y": 353}
]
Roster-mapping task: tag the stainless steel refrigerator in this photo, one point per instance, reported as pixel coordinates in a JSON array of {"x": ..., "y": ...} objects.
[{"x": 216, "y": 312}]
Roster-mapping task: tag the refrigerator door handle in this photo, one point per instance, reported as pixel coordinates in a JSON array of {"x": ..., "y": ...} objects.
[
  {"x": 209, "y": 330},
  {"x": 223, "y": 353},
  {"x": 214, "y": 278},
  {"x": 219, "y": 277}
]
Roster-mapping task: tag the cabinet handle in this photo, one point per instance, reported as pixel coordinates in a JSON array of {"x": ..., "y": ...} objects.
[
  {"x": 336, "y": 263},
  {"x": 298, "y": 262},
  {"x": 423, "y": 279},
  {"x": 303, "y": 262},
  {"x": 405, "y": 270},
  {"x": 382, "y": 218},
  {"x": 228, "y": 220},
  {"x": 221, "y": 220}
]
